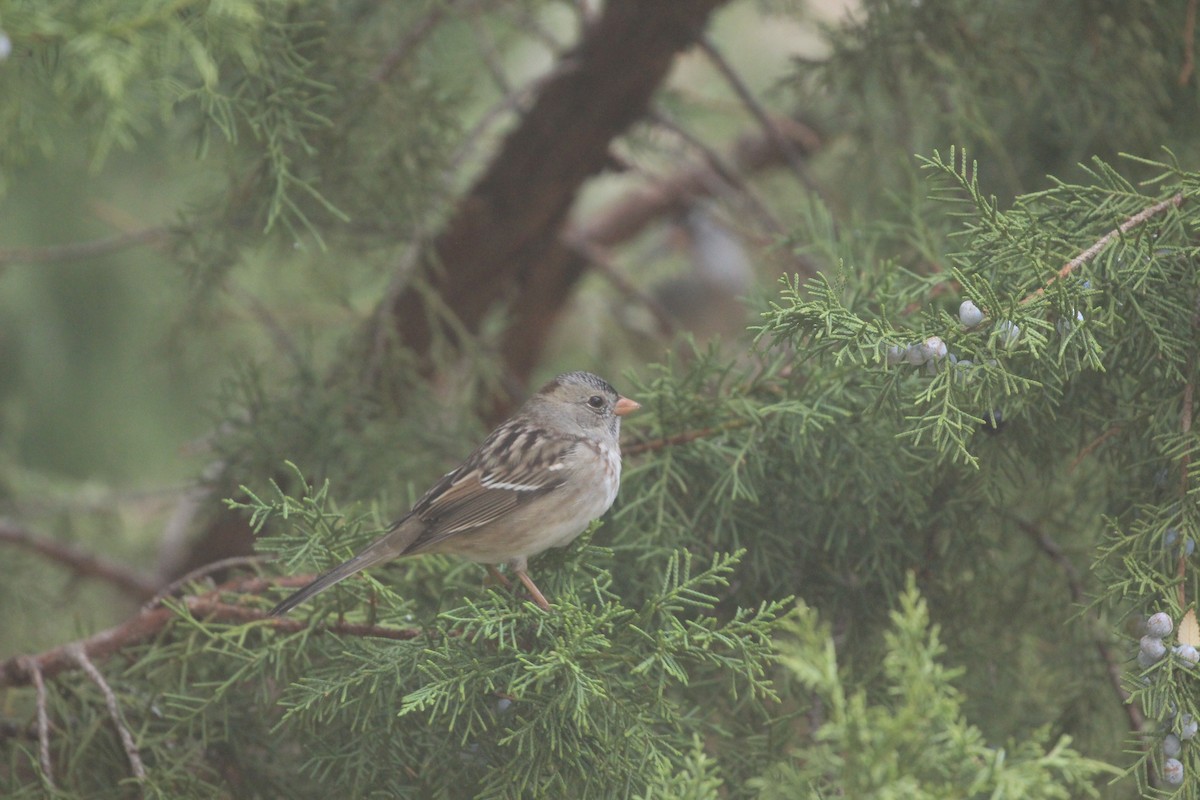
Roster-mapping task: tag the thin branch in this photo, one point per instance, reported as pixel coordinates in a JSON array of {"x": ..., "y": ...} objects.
[
  {"x": 601, "y": 263},
  {"x": 1091, "y": 446},
  {"x": 149, "y": 622},
  {"x": 81, "y": 562},
  {"x": 627, "y": 216},
  {"x": 80, "y": 656},
  {"x": 722, "y": 168},
  {"x": 1090, "y": 254},
  {"x": 200, "y": 572},
  {"x": 76, "y": 251},
  {"x": 415, "y": 35},
  {"x": 43, "y": 723},
  {"x": 1137, "y": 722},
  {"x": 760, "y": 114}
]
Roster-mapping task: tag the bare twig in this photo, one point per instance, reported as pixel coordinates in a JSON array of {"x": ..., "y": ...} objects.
[
  {"x": 1137, "y": 722},
  {"x": 791, "y": 155},
  {"x": 601, "y": 263},
  {"x": 43, "y": 722},
  {"x": 722, "y": 168},
  {"x": 79, "y": 561},
  {"x": 490, "y": 55},
  {"x": 149, "y": 622},
  {"x": 80, "y": 250},
  {"x": 200, "y": 572},
  {"x": 1088, "y": 255},
  {"x": 414, "y": 36},
  {"x": 1092, "y": 445},
  {"x": 80, "y": 656},
  {"x": 626, "y": 217}
]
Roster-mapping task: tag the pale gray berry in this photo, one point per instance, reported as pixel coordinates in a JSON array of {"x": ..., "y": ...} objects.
[
  {"x": 1153, "y": 647},
  {"x": 1170, "y": 538},
  {"x": 896, "y": 355},
  {"x": 1187, "y": 727},
  {"x": 1065, "y": 325},
  {"x": 1172, "y": 746},
  {"x": 1010, "y": 332},
  {"x": 969, "y": 314},
  {"x": 1144, "y": 660},
  {"x": 934, "y": 348},
  {"x": 1159, "y": 625},
  {"x": 1188, "y": 656},
  {"x": 1173, "y": 771},
  {"x": 916, "y": 355}
]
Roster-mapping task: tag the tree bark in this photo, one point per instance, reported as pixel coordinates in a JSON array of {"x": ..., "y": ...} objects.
[{"x": 503, "y": 239}]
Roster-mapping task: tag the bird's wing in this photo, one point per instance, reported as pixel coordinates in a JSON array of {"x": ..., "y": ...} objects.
[{"x": 526, "y": 465}]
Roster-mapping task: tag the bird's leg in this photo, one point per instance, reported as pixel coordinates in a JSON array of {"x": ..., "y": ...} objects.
[
  {"x": 498, "y": 576},
  {"x": 538, "y": 597}
]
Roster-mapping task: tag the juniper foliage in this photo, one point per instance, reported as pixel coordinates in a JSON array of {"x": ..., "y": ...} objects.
[{"x": 936, "y": 519}]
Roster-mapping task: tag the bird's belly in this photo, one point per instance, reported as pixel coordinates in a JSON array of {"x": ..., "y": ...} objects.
[{"x": 532, "y": 529}]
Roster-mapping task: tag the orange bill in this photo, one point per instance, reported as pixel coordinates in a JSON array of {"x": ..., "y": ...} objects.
[{"x": 625, "y": 406}]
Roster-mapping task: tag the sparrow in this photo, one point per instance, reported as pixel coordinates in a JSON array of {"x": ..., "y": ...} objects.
[{"x": 534, "y": 483}]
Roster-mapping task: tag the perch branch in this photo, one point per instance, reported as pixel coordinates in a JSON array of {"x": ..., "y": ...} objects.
[{"x": 149, "y": 622}]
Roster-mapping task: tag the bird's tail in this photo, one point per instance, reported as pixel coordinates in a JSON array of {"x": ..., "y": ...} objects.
[{"x": 372, "y": 555}]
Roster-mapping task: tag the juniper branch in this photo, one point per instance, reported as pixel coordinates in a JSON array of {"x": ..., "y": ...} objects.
[
  {"x": 1140, "y": 218},
  {"x": 18, "y": 670}
]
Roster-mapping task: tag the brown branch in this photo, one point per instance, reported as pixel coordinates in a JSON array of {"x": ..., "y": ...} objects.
[
  {"x": 43, "y": 723},
  {"x": 628, "y": 216},
  {"x": 81, "y": 250},
  {"x": 77, "y": 653},
  {"x": 760, "y": 114},
  {"x": 1137, "y": 722},
  {"x": 1189, "y": 44},
  {"x": 81, "y": 562},
  {"x": 510, "y": 221},
  {"x": 548, "y": 282},
  {"x": 1137, "y": 219},
  {"x": 600, "y": 262},
  {"x": 149, "y": 622},
  {"x": 727, "y": 172},
  {"x": 1092, "y": 445},
  {"x": 416, "y": 35},
  {"x": 200, "y": 572}
]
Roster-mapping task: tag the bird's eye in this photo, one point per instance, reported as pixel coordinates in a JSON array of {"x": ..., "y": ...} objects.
[{"x": 596, "y": 401}]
